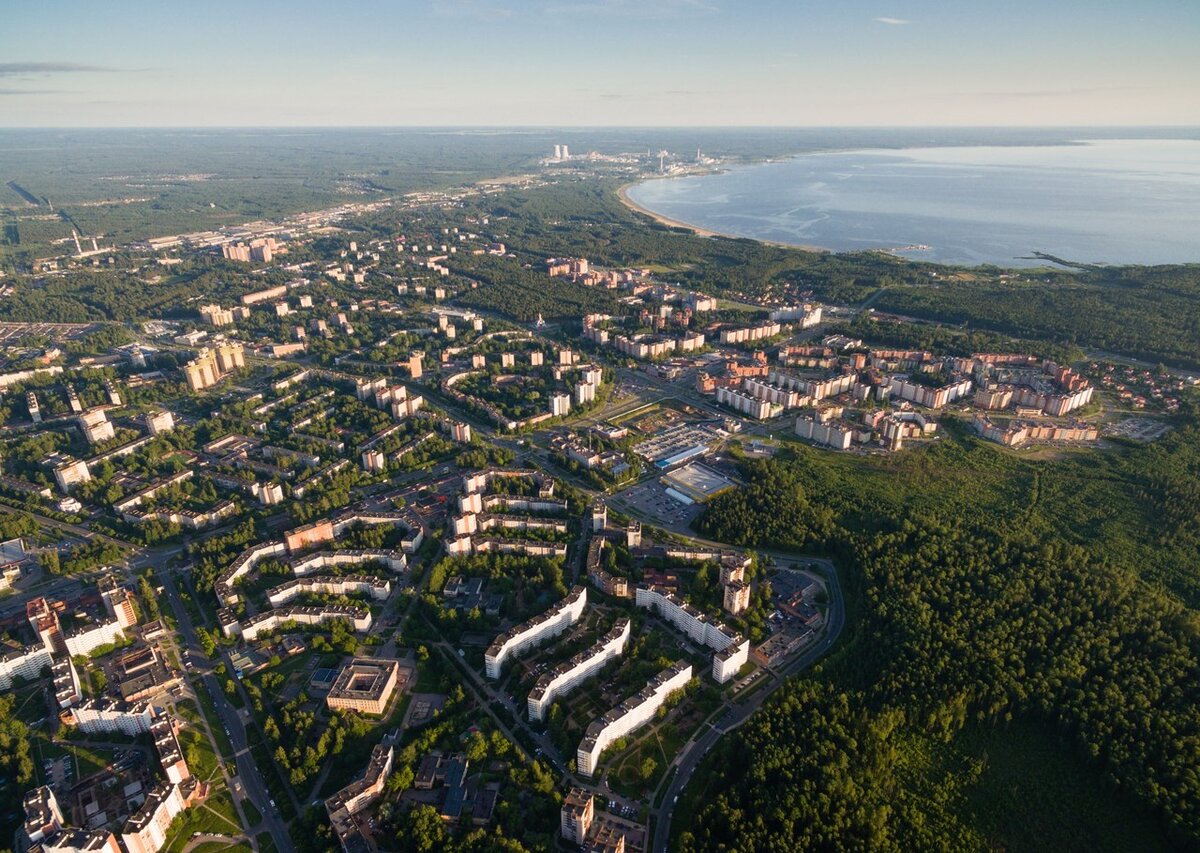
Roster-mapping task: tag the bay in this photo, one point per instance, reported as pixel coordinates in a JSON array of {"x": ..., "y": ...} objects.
[{"x": 1113, "y": 201}]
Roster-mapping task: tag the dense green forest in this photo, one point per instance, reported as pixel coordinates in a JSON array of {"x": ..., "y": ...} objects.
[{"x": 989, "y": 594}]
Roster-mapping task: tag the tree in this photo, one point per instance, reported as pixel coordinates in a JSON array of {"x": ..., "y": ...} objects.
[
  {"x": 422, "y": 830},
  {"x": 649, "y": 765},
  {"x": 477, "y": 748}
]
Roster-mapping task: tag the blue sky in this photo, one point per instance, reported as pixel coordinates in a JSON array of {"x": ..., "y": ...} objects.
[{"x": 600, "y": 62}]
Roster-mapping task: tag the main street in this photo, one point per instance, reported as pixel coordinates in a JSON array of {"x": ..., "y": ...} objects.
[{"x": 248, "y": 771}]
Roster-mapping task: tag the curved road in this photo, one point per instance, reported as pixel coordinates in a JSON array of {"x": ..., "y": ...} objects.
[{"x": 693, "y": 752}]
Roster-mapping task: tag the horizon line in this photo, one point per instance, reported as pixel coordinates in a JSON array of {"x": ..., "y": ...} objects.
[{"x": 1195, "y": 127}]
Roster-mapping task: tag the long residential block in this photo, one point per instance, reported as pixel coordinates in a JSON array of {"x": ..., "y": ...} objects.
[
  {"x": 630, "y": 715},
  {"x": 378, "y": 588},
  {"x": 568, "y": 675},
  {"x": 537, "y": 630},
  {"x": 265, "y": 623}
]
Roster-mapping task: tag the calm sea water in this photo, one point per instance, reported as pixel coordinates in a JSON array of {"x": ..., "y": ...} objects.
[{"x": 1105, "y": 201}]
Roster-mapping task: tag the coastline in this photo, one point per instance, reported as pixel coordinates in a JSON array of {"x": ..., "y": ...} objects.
[{"x": 623, "y": 195}]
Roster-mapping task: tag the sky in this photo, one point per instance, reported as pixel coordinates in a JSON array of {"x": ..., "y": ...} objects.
[{"x": 79, "y": 63}]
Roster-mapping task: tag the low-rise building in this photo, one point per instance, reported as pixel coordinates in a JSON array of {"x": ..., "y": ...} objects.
[{"x": 365, "y": 685}]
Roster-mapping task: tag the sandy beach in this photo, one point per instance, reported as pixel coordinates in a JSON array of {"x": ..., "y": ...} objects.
[{"x": 702, "y": 232}]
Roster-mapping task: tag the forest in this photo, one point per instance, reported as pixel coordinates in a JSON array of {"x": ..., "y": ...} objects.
[{"x": 976, "y": 606}]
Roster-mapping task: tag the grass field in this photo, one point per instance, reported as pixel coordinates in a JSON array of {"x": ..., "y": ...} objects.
[{"x": 215, "y": 816}]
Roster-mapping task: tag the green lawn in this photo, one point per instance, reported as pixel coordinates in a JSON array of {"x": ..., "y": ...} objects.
[
  {"x": 211, "y": 817},
  {"x": 253, "y": 815}
]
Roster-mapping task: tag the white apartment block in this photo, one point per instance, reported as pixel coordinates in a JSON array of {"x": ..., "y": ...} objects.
[
  {"x": 830, "y": 434},
  {"x": 26, "y": 664},
  {"x": 560, "y": 405},
  {"x": 630, "y": 715},
  {"x": 70, "y": 474},
  {"x": 146, "y": 831},
  {"x": 243, "y": 565},
  {"x": 265, "y": 623},
  {"x": 396, "y": 561},
  {"x": 105, "y": 716},
  {"x": 568, "y": 675},
  {"x": 806, "y": 316},
  {"x": 67, "y": 691},
  {"x": 84, "y": 641},
  {"x": 923, "y": 395},
  {"x": 789, "y": 398},
  {"x": 747, "y": 405},
  {"x": 585, "y": 392},
  {"x": 732, "y": 650},
  {"x": 537, "y": 630},
  {"x": 815, "y": 389},
  {"x": 750, "y": 333},
  {"x": 376, "y": 588}
]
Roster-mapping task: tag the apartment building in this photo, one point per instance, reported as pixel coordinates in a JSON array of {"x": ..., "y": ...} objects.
[
  {"x": 377, "y": 588},
  {"x": 265, "y": 623},
  {"x": 732, "y": 650},
  {"x": 750, "y": 333},
  {"x": 27, "y": 663},
  {"x": 630, "y": 715},
  {"x": 536, "y": 631},
  {"x": 1017, "y": 433},
  {"x": 748, "y": 405},
  {"x": 105, "y": 716},
  {"x": 217, "y": 316},
  {"x": 356, "y": 796},
  {"x": 570, "y": 674},
  {"x": 575, "y": 819},
  {"x": 814, "y": 389},
  {"x": 805, "y": 316},
  {"x": 71, "y": 473},
  {"x": 146, "y": 831},
  {"x": 159, "y": 421},
  {"x": 560, "y": 405},
  {"x": 67, "y": 691},
  {"x": 242, "y": 566},
  {"x": 211, "y": 365},
  {"x": 925, "y": 395},
  {"x": 789, "y": 398},
  {"x": 736, "y": 597}
]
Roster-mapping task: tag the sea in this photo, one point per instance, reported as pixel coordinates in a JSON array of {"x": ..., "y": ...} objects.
[{"x": 1103, "y": 201}]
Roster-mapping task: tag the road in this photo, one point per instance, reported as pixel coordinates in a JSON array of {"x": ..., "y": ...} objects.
[
  {"x": 693, "y": 752},
  {"x": 248, "y": 771}
]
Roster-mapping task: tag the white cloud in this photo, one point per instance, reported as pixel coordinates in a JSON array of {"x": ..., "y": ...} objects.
[{"x": 893, "y": 22}]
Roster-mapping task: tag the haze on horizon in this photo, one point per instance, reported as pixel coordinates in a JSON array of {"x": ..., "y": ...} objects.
[{"x": 68, "y": 63}]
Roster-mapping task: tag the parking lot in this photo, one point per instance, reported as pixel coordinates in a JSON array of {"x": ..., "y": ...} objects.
[
  {"x": 652, "y": 499},
  {"x": 1139, "y": 429}
]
